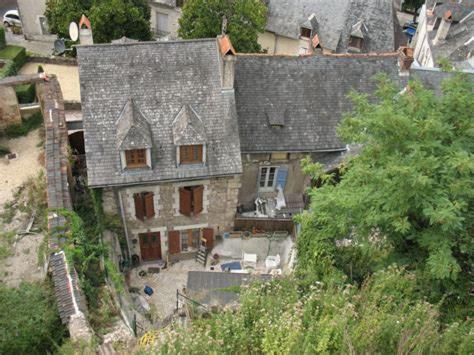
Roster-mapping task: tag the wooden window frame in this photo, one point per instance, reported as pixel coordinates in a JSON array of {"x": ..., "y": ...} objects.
[
  {"x": 191, "y": 154},
  {"x": 267, "y": 170},
  {"x": 136, "y": 158}
]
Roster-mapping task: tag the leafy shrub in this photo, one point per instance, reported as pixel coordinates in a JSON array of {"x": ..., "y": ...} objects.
[
  {"x": 15, "y": 53},
  {"x": 29, "y": 319},
  {"x": 26, "y": 93},
  {"x": 9, "y": 68},
  {"x": 27, "y": 125},
  {"x": 40, "y": 69},
  {"x": 3, "y": 41},
  {"x": 4, "y": 150}
]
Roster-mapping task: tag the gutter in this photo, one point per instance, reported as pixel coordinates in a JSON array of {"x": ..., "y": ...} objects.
[{"x": 122, "y": 214}]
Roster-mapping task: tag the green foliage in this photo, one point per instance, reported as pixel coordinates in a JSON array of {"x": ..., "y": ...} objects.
[
  {"x": 3, "y": 41},
  {"x": 4, "y": 150},
  {"x": 6, "y": 241},
  {"x": 409, "y": 190},
  {"x": 8, "y": 69},
  {"x": 110, "y": 19},
  {"x": 29, "y": 320},
  {"x": 26, "y": 93},
  {"x": 245, "y": 20},
  {"x": 40, "y": 69},
  {"x": 445, "y": 65},
  {"x": 27, "y": 125},
  {"x": 386, "y": 316},
  {"x": 412, "y": 5}
]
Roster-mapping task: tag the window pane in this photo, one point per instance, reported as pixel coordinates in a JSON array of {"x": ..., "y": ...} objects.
[
  {"x": 263, "y": 176},
  {"x": 271, "y": 177}
]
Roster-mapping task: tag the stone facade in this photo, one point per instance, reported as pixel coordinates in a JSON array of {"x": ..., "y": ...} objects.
[
  {"x": 168, "y": 14},
  {"x": 9, "y": 110},
  {"x": 296, "y": 181},
  {"x": 219, "y": 207}
]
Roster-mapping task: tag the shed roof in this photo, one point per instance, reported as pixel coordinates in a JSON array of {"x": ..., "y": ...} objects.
[{"x": 161, "y": 78}]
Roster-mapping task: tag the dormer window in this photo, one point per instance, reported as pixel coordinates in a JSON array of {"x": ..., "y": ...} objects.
[
  {"x": 305, "y": 32},
  {"x": 135, "y": 158},
  {"x": 133, "y": 138},
  {"x": 355, "y": 42},
  {"x": 191, "y": 154},
  {"x": 189, "y": 137}
]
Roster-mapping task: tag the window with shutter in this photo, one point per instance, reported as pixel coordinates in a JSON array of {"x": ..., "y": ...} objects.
[
  {"x": 139, "y": 206},
  {"x": 185, "y": 201},
  {"x": 144, "y": 206},
  {"x": 191, "y": 200},
  {"x": 173, "y": 242},
  {"x": 197, "y": 199},
  {"x": 149, "y": 206}
]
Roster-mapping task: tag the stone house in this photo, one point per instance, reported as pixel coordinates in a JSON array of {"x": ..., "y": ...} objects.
[
  {"x": 357, "y": 26},
  {"x": 289, "y": 108},
  {"x": 33, "y": 20},
  {"x": 164, "y": 18},
  {"x": 161, "y": 139},
  {"x": 445, "y": 30}
]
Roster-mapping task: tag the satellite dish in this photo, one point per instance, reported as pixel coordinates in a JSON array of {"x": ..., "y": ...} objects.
[
  {"x": 73, "y": 31},
  {"x": 59, "y": 46}
]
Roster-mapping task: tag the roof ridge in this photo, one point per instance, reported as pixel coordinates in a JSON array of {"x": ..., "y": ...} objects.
[{"x": 147, "y": 42}]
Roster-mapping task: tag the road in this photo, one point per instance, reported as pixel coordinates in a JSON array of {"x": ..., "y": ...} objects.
[{"x": 6, "y": 5}]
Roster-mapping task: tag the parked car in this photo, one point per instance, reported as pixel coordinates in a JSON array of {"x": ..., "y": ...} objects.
[
  {"x": 11, "y": 18},
  {"x": 410, "y": 24}
]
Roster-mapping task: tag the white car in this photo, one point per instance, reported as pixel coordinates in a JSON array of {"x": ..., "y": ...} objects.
[{"x": 11, "y": 18}]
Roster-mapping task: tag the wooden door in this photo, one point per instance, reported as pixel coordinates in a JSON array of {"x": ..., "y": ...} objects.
[
  {"x": 150, "y": 246},
  {"x": 208, "y": 235}
]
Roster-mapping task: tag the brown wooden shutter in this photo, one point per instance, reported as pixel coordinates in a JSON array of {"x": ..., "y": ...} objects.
[
  {"x": 185, "y": 201},
  {"x": 139, "y": 206},
  {"x": 173, "y": 242},
  {"x": 199, "y": 148},
  {"x": 208, "y": 234},
  {"x": 149, "y": 207},
  {"x": 197, "y": 199}
]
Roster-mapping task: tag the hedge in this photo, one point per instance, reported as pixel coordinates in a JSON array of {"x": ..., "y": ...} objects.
[
  {"x": 8, "y": 69},
  {"x": 3, "y": 42},
  {"x": 15, "y": 53},
  {"x": 23, "y": 128},
  {"x": 26, "y": 93}
]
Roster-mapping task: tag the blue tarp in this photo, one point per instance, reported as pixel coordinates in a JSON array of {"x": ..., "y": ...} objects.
[{"x": 235, "y": 265}]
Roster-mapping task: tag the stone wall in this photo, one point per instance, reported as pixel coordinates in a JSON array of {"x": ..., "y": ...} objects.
[
  {"x": 296, "y": 182},
  {"x": 219, "y": 207},
  {"x": 9, "y": 110}
]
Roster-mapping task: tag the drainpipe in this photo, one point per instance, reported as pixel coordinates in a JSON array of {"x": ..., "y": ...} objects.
[{"x": 122, "y": 213}]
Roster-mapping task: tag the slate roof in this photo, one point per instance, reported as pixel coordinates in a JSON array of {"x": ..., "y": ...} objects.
[
  {"x": 380, "y": 20},
  {"x": 69, "y": 298},
  {"x": 310, "y": 92},
  {"x": 432, "y": 78},
  {"x": 162, "y": 78},
  {"x": 335, "y": 19},
  {"x": 208, "y": 287},
  {"x": 458, "y": 47}
]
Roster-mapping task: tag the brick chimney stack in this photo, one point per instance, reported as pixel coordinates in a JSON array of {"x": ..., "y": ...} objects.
[
  {"x": 85, "y": 34},
  {"x": 444, "y": 27}
]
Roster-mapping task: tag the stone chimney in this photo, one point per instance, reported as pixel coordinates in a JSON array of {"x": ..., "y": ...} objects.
[
  {"x": 227, "y": 53},
  {"x": 85, "y": 31},
  {"x": 405, "y": 58},
  {"x": 444, "y": 27}
]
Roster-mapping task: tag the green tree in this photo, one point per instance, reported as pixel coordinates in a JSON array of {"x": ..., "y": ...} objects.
[
  {"x": 110, "y": 19},
  {"x": 29, "y": 320},
  {"x": 245, "y": 20},
  {"x": 409, "y": 193}
]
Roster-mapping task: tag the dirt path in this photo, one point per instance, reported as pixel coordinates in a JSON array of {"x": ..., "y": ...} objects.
[{"x": 15, "y": 172}]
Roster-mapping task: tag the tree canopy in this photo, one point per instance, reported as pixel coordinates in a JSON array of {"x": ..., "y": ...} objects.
[
  {"x": 408, "y": 196},
  {"x": 245, "y": 19},
  {"x": 29, "y": 320},
  {"x": 110, "y": 19}
]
